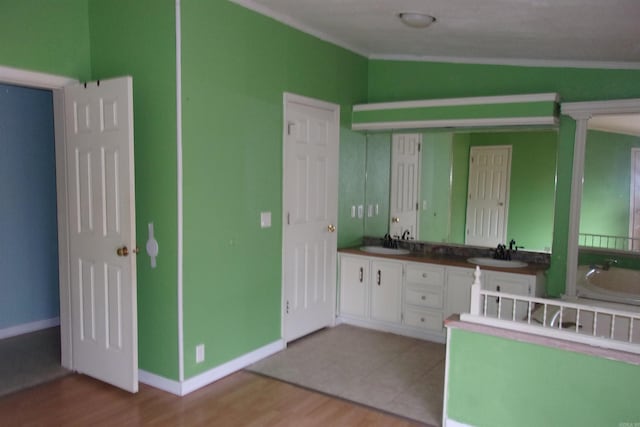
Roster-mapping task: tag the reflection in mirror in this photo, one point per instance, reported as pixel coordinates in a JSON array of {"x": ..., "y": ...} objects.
[
  {"x": 610, "y": 207},
  {"x": 443, "y": 186}
]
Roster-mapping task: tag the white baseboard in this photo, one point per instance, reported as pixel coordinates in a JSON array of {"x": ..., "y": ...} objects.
[
  {"x": 453, "y": 423},
  {"x": 26, "y": 328},
  {"x": 393, "y": 328},
  {"x": 206, "y": 378}
]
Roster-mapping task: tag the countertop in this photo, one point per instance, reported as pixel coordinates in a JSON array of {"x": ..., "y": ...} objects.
[{"x": 448, "y": 260}]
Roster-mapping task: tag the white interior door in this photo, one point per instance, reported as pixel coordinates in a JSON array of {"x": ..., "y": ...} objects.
[
  {"x": 405, "y": 184},
  {"x": 99, "y": 150},
  {"x": 310, "y": 207},
  {"x": 487, "y": 206},
  {"x": 634, "y": 213}
]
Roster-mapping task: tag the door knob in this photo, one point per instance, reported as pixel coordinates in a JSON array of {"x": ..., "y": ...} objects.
[
  {"x": 395, "y": 219},
  {"x": 331, "y": 228},
  {"x": 124, "y": 251}
]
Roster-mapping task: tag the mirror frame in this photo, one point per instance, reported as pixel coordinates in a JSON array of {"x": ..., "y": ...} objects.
[{"x": 581, "y": 112}]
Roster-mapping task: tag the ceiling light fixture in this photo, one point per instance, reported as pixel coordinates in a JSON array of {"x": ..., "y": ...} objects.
[{"x": 416, "y": 19}]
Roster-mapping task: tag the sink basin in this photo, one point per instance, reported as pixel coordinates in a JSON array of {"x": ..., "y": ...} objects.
[
  {"x": 385, "y": 251},
  {"x": 491, "y": 262}
]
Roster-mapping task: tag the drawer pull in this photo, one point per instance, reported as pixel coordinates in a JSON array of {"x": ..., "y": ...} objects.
[
  {"x": 424, "y": 275},
  {"x": 379, "y": 277},
  {"x": 423, "y": 297},
  {"x": 361, "y": 274},
  {"x": 422, "y": 319}
]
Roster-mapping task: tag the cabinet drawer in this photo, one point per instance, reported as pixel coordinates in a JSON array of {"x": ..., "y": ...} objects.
[
  {"x": 425, "y": 275},
  {"x": 431, "y": 296},
  {"x": 425, "y": 319}
]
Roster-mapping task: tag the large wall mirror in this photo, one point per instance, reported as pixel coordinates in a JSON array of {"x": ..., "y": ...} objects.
[
  {"x": 605, "y": 207},
  {"x": 511, "y": 171}
]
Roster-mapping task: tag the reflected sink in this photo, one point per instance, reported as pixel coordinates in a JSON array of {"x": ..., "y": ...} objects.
[
  {"x": 491, "y": 262},
  {"x": 384, "y": 251}
]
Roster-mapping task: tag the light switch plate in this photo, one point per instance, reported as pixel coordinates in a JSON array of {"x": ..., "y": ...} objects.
[{"x": 265, "y": 219}]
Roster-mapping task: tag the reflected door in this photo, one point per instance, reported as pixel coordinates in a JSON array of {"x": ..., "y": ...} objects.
[
  {"x": 405, "y": 180},
  {"x": 99, "y": 132},
  {"x": 488, "y": 194},
  {"x": 310, "y": 196}
]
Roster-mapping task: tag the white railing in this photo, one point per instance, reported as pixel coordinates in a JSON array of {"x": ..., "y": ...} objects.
[
  {"x": 598, "y": 326},
  {"x": 603, "y": 241}
]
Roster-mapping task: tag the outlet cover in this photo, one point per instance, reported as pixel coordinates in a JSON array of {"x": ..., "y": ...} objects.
[{"x": 200, "y": 353}]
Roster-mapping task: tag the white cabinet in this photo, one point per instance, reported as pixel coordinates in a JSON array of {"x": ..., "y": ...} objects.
[
  {"x": 370, "y": 288},
  {"x": 354, "y": 278},
  {"x": 424, "y": 296},
  {"x": 414, "y": 298},
  {"x": 458, "y": 296},
  {"x": 386, "y": 289}
]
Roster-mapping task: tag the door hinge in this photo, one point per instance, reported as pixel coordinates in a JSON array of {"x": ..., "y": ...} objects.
[
  {"x": 417, "y": 206},
  {"x": 289, "y": 126},
  {"x": 419, "y": 145},
  {"x": 287, "y": 308},
  {"x": 288, "y": 218}
]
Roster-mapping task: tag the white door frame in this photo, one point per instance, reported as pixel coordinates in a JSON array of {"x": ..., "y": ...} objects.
[
  {"x": 54, "y": 83},
  {"x": 316, "y": 103},
  {"x": 632, "y": 196}
]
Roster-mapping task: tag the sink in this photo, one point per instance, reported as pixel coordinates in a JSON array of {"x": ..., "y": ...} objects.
[
  {"x": 491, "y": 262},
  {"x": 385, "y": 251}
]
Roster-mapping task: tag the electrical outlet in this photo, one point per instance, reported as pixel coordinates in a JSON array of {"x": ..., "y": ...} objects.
[{"x": 200, "y": 353}]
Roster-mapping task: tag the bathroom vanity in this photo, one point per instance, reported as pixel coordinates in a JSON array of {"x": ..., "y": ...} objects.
[{"x": 413, "y": 295}]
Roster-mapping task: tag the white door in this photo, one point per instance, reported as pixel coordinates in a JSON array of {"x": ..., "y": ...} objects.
[
  {"x": 310, "y": 208},
  {"x": 405, "y": 180},
  {"x": 99, "y": 150},
  {"x": 487, "y": 206},
  {"x": 634, "y": 214}
]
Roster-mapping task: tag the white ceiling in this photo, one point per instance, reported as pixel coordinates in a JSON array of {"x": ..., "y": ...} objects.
[{"x": 601, "y": 33}]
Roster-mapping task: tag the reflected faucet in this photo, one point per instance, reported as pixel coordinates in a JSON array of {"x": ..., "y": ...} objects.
[{"x": 406, "y": 234}]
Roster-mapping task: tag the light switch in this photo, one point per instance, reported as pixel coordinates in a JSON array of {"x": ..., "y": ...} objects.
[
  {"x": 353, "y": 211},
  {"x": 265, "y": 219},
  {"x": 360, "y": 211}
]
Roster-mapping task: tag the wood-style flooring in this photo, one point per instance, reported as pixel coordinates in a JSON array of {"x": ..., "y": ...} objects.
[{"x": 241, "y": 399}]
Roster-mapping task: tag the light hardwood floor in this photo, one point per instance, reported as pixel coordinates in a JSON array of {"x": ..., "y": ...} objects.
[{"x": 241, "y": 399}]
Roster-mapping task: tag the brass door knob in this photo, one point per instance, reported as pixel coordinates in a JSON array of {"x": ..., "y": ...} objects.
[
  {"x": 124, "y": 251},
  {"x": 395, "y": 219},
  {"x": 331, "y": 228}
]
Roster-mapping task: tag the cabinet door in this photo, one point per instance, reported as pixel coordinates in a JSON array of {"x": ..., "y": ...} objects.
[
  {"x": 354, "y": 279},
  {"x": 386, "y": 286},
  {"x": 458, "y": 291},
  {"x": 516, "y": 284}
]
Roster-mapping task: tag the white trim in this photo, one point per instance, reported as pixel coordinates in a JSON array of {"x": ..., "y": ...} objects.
[
  {"x": 453, "y": 102},
  {"x": 230, "y": 367},
  {"x": 581, "y": 112},
  {"x": 452, "y": 423},
  {"x": 458, "y": 123},
  {"x": 33, "y": 78},
  {"x": 515, "y": 62},
  {"x": 179, "y": 191},
  {"x": 182, "y": 388},
  {"x": 161, "y": 383},
  {"x": 26, "y": 328},
  {"x": 445, "y": 393},
  {"x": 293, "y": 23}
]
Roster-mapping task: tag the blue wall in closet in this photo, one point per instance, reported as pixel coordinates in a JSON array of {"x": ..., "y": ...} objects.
[{"x": 28, "y": 224}]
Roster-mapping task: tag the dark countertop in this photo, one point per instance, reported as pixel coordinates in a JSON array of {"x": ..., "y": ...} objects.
[{"x": 448, "y": 260}]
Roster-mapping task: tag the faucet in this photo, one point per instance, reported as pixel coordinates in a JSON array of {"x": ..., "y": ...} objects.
[
  {"x": 389, "y": 242},
  {"x": 406, "y": 234},
  {"x": 500, "y": 252}
]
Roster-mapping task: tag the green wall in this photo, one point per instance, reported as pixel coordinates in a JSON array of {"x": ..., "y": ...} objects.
[
  {"x": 47, "y": 36},
  {"x": 236, "y": 65},
  {"x": 378, "y": 180},
  {"x": 531, "y": 188},
  {"x": 499, "y": 382},
  {"x": 607, "y": 183},
  {"x": 143, "y": 46},
  {"x": 408, "y": 80},
  {"x": 435, "y": 187}
]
